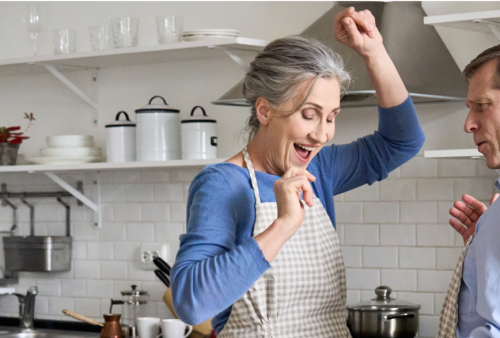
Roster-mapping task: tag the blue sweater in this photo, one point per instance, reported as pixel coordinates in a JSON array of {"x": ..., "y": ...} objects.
[{"x": 219, "y": 260}]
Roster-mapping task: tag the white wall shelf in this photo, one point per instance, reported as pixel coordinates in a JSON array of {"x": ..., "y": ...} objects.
[
  {"x": 485, "y": 22},
  {"x": 453, "y": 153}
]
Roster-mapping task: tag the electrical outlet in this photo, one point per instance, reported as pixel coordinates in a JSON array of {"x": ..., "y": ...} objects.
[{"x": 150, "y": 252}]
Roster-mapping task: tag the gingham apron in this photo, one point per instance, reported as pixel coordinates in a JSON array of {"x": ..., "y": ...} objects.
[
  {"x": 449, "y": 313},
  {"x": 303, "y": 294}
]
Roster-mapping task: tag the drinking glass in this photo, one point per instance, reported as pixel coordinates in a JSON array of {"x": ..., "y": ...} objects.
[
  {"x": 124, "y": 32},
  {"x": 33, "y": 23},
  {"x": 100, "y": 37},
  {"x": 64, "y": 41},
  {"x": 169, "y": 28}
]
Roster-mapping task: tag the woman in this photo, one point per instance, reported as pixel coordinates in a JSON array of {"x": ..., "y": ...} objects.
[{"x": 255, "y": 256}]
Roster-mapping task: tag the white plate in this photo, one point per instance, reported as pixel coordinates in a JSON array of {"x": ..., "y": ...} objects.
[
  {"x": 63, "y": 160},
  {"x": 70, "y": 141},
  {"x": 71, "y": 152},
  {"x": 199, "y": 38},
  {"x": 214, "y": 34},
  {"x": 212, "y": 31}
]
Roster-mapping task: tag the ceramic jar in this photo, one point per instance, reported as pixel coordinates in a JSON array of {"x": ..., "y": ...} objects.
[
  {"x": 120, "y": 139},
  {"x": 199, "y": 136}
]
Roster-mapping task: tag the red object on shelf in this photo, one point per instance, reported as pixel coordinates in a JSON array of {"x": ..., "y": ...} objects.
[{"x": 213, "y": 334}]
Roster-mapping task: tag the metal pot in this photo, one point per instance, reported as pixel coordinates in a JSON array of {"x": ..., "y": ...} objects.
[{"x": 383, "y": 316}]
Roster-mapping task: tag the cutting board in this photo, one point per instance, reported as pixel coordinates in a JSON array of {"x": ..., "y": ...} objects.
[{"x": 199, "y": 331}]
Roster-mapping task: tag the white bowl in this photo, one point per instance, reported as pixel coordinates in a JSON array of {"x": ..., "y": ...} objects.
[
  {"x": 70, "y": 141},
  {"x": 71, "y": 152}
]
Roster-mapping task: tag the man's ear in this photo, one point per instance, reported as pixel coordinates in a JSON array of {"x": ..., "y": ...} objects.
[{"x": 263, "y": 109}]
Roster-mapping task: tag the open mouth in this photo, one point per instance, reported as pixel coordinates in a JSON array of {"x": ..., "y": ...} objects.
[{"x": 303, "y": 152}]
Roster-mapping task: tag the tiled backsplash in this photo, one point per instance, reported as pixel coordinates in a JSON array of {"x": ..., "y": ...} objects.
[{"x": 394, "y": 232}]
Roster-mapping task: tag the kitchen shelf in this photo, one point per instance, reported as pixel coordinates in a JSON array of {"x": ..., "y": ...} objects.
[
  {"x": 468, "y": 21},
  {"x": 453, "y": 153},
  {"x": 178, "y": 51},
  {"x": 99, "y": 166}
]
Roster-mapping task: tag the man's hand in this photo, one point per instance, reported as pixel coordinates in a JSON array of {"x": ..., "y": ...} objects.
[{"x": 467, "y": 213}]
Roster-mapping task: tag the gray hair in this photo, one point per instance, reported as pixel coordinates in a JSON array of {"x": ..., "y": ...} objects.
[{"x": 282, "y": 66}]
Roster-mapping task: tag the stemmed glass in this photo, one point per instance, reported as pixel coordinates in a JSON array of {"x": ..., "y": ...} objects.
[{"x": 33, "y": 23}]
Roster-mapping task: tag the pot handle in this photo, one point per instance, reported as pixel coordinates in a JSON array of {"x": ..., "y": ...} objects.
[
  {"x": 118, "y": 116},
  {"x": 399, "y": 315},
  {"x": 203, "y": 110},
  {"x": 158, "y": 96}
]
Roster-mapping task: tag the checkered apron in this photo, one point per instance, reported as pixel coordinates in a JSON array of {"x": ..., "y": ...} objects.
[
  {"x": 303, "y": 294},
  {"x": 449, "y": 313}
]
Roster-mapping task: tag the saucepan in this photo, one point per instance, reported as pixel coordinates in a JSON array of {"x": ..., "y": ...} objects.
[{"x": 383, "y": 317}]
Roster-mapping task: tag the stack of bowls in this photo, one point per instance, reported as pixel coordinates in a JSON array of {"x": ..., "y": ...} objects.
[
  {"x": 207, "y": 34},
  {"x": 66, "y": 149}
]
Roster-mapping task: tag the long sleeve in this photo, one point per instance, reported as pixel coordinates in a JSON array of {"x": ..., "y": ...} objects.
[{"x": 212, "y": 270}]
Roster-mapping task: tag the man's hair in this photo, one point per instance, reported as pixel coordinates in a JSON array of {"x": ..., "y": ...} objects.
[{"x": 489, "y": 54}]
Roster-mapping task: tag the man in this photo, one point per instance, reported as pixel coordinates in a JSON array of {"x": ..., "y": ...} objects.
[{"x": 476, "y": 285}]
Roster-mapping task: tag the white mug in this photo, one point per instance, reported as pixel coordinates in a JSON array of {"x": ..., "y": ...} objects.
[
  {"x": 174, "y": 328},
  {"x": 148, "y": 327}
]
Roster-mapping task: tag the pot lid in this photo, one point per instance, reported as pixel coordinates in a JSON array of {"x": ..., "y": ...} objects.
[
  {"x": 383, "y": 302},
  {"x": 204, "y": 118},
  {"x": 134, "y": 292},
  {"x": 120, "y": 123},
  {"x": 157, "y": 107}
]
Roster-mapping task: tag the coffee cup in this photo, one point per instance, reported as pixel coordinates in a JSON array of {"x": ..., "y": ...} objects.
[
  {"x": 148, "y": 327},
  {"x": 174, "y": 328}
]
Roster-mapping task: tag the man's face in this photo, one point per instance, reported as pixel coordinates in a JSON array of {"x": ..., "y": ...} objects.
[{"x": 483, "y": 120}]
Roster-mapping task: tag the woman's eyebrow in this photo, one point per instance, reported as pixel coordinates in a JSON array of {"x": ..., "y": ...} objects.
[{"x": 319, "y": 107}]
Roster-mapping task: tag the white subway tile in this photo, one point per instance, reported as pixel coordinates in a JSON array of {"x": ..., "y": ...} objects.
[
  {"x": 127, "y": 212},
  {"x": 73, "y": 288},
  {"x": 425, "y": 300},
  {"x": 172, "y": 192},
  {"x": 361, "y": 234},
  {"x": 87, "y": 269},
  {"x": 381, "y": 212},
  {"x": 49, "y": 213},
  {"x": 88, "y": 307},
  {"x": 186, "y": 191},
  {"x": 79, "y": 250},
  {"x": 420, "y": 167},
  {"x": 459, "y": 240},
  {"x": 100, "y": 250},
  {"x": 402, "y": 189},
  {"x": 99, "y": 288},
  {"x": 178, "y": 212},
  {"x": 48, "y": 287},
  {"x": 417, "y": 258},
  {"x": 418, "y": 212},
  {"x": 435, "y": 189},
  {"x": 483, "y": 170},
  {"x": 24, "y": 283},
  {"x": 435, "y": 235},
  {"x": 349, "y": 212},
  {"x": 397, "y": 234},
  {"x": 378, "y": 257},
  {"x": 41, "y": 306},
  {"x": 399, "y": 279},
  {"x": 10, "y": 305},
  {"x": 427, "y": 326},
  {"x": 56, "y": 229},
  {"x": 107, "y": 212},
  {"x": 339, "y": 228},
  {"x": 396, "y": 173},
  {"x": 163, "y": 312},
  {"x": 363, "y": 193},
  {"x": 364, "y": 279},
  {"x": 444, "y": 211},
  {"x": 434, "y": 281},
  {"x": 184, "y": 174},
  {"x": 139, "y": 192},
  {"x": 126, "y": 176},
  {"x": 136, "y": 272},
  {"x": 112, "y": 193},
  {"x": 370, "y": 294},
  {"x": 155, "y": 175},
  {"x": 57, "y": 304},
  {"x": 338, "y": 198},
  {"x": 457, "y": 168},
  {"x": 140, "y": 232},
  {"x": 165, "y": 232},
  {"x": 84, "y": 231},
  {"x": 127, "y": 251},
  {"x": 112, "y": 232},
  {"x": 155, "y": 289},
  {"x": 438, "y": 302},
  {"x": 352, "y": 256},
  {"x": 155, "y": 212},
  {"x": 353, "y": 297},
  {"x": 447, "y": 258},
  {"x": 106, "y": 177},
  {"x": 480, "y": 188},
  {"x": 114, "y": 270}
]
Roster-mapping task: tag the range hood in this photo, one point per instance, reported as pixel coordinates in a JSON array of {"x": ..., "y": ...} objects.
[{"x": 423, "y": 61}]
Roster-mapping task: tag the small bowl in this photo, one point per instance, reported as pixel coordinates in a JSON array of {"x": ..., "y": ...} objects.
[
  {"x": 70, "y": 141},
  {"x": 71, "y": 152}
]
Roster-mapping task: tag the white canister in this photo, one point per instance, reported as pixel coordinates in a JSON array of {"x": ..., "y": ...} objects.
[
  {"x": 120, "y": 139},
  {"x": 157, "y": 132},
  {"x": 199, "y": 137}
]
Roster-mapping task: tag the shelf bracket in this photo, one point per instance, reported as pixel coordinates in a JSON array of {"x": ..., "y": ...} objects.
[
  {"x": 96, "y": 192},
  {"x": 92, "y": 103},
  {"x": 243, "y": 65},
  {"x": 492, "y": 26},
  {"x": 495, "y": 31}
]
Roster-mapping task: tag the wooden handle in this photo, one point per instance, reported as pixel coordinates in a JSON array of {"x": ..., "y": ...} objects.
[{"x": 82, "y": 318}]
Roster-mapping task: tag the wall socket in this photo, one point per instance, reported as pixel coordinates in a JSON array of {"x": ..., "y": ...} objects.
[{"x": 150, "y": 252}]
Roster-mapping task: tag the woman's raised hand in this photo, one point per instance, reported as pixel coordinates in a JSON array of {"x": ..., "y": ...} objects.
[{"x": 358, "y": 31}]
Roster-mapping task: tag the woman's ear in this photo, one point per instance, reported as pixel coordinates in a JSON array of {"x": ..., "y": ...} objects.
[{"x": 263, "y": 109}]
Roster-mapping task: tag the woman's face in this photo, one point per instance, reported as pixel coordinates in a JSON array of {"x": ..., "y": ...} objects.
[{"x": 295, "y": 139}]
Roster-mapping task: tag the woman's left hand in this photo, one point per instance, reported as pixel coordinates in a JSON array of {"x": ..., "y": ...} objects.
[{"x": 357, "y": 30}]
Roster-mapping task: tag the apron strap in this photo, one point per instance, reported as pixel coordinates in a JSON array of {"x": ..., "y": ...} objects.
[{"x": 252, "y": 175}]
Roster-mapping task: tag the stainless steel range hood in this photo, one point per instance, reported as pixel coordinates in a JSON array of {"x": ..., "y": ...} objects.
[{"x": 423, "y": 61}]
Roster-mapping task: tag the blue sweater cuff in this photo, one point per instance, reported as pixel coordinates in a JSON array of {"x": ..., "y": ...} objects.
[{"x": 254, "y": 250}]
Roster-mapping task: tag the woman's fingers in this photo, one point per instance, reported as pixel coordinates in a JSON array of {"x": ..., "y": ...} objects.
[
  {"x": 364, "y": 20},
  {"x": 353, "y": 32}
]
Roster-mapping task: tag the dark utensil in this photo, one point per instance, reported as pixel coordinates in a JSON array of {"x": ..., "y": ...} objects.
[
  {"x": 163, "y": 277},
  {"x": 162, "y": 265}
]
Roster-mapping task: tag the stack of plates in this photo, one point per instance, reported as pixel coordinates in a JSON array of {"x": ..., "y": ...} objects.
[
  {"x": 68, "y": 149},
  {"x": 205, "y": 34}
]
